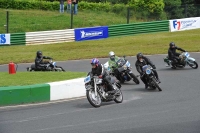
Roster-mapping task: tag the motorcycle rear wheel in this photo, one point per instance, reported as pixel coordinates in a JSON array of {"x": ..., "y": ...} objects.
[
  {"x": 119, "y": 97},
  {"x": 135, "y": 79},
  {"x": 94, "y": 101}
]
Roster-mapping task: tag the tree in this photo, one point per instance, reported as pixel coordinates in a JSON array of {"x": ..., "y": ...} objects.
[
  {"x": 173, "y": 9},
  {"x": 190, "y": 10}
]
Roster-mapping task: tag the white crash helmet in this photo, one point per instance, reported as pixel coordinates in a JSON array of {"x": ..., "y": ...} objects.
[{"x": 112, "y": 55}]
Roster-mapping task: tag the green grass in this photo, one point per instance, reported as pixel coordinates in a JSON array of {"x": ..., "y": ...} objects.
[
  {"x": 155, "y": 43},
  {"x": 28, "y": 78},
  {"x": 38, "y": 20}
]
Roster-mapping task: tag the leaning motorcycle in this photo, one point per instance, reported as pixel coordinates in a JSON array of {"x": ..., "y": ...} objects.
[
  {"x": 150, "y": 77},
  {"x": 185, "y": 59},
  {"x": 96, "y": 91},
  {"x": 124, "y": 70},
  {"x": 51, "y": 66}
]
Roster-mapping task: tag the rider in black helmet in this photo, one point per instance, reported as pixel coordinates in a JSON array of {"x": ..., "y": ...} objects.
[
  {"x": 39, "y": 63},
  {"x": 141, "y": 61},
  {"x": 172, "y": 55}
]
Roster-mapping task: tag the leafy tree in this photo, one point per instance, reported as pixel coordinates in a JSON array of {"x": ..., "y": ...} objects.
[
  {"x": 173, "y": 9},
  {"x": 190, "y": 9}
]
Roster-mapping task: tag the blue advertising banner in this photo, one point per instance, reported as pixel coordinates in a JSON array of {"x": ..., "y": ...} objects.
[
  {"x": 4, "y": 39},
  {"x": 91, "y": 33}
]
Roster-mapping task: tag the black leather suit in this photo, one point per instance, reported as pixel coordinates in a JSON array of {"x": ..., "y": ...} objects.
[
  {"x": 40, "y": 65},
  {"x": 172, "y": 55},
  {"x": 100, "y": 70},
  {"x": 139, "y": 65}
]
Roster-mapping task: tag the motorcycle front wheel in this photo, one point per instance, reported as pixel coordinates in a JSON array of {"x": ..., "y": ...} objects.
[
  {"x": 135, "y": 79},
  {"x": 156, "y": 84},
  {"x": 119, "y": 96},
  {"x": 95, "y": 101},
  {"x": 194, "y": 66}
]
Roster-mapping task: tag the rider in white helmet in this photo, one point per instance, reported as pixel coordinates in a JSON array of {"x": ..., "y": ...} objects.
[{"x": 112, "y": 62}]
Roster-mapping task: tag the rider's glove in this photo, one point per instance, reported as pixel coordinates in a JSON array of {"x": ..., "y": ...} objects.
[
  {"x": 154, "y": 67},
  {"x": 100, "y": 76}
]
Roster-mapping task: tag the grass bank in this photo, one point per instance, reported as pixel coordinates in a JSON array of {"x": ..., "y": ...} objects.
[
  {"x": 28, "y": 78},
  {"x": 155, "y": 43},
  {"x": 38, "y": 20}
]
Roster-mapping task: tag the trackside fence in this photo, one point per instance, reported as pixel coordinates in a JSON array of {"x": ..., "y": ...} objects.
[{"x": 138, "y": 28}]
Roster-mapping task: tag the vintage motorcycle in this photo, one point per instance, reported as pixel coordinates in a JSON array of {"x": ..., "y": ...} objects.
[
  {"x": 124, "y": 70},
  {"x": 185, "y": 60},
  {"x": 51, "y": 66},
  {"x": 96, "y": 91},
  {"x": 150, "y": 77}
]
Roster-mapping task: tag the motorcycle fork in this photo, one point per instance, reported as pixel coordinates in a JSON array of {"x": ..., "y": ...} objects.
[{"x": 95, "y": 88}]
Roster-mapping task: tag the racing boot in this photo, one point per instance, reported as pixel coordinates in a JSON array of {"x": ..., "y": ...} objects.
[{"x": 113, "y": 91}]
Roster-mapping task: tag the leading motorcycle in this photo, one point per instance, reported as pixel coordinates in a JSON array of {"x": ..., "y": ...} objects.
[
  {"x": 51, "y": 66},
  {"x": 96, "y": 91},
  {"x": 150, "y": 77},
  {"x": 185, "y": 60}
]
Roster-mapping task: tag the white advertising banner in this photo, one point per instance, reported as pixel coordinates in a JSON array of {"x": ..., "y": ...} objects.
[
  {"x": 184, "y": 24},
  {"x": 4, "y": 39}
]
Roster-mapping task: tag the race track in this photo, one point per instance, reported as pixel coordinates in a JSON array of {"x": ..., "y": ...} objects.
[{"x": 174, "y": 110}]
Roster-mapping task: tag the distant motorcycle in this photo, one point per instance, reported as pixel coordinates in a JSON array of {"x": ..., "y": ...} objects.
[
  {"x": 96, "y": 91},
  {"x": 51, "y": 66},
  {"x": 125, "y": 73},
  {"x": 185, "y": 60},
  {"x": 150, "y": 77}
]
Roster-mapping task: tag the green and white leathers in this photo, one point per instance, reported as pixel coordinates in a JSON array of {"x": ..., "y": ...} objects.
[{"x": 112, "y": 61}]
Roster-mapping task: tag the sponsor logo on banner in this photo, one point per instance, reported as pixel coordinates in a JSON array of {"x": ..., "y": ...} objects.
[
  {"x": 91, "y": 33},
  {"x": 4, "y": 39},
  {"x": 185, "y": 24}
]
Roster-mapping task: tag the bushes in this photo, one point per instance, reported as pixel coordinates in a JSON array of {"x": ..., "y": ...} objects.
[{"x": 151, "y": 6}]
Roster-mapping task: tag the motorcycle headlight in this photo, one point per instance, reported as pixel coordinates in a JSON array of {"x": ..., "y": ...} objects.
[
  {"x": 148, "y": 71},
  {"x": 125, "y": 67}
]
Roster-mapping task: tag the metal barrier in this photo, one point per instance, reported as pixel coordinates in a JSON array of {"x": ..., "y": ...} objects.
[
  {"x": 138, "y": 28},
  {"x": 18, "y": 38},
  {"x": 49, "y": 37}
]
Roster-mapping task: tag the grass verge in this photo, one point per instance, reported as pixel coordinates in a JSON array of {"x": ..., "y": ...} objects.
[
  {"x": 155, "y": 43},
  {"x": 28, "y": 78}
]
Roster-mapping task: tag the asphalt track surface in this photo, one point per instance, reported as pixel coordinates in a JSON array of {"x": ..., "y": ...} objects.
[{"x": 174, "y": 110}]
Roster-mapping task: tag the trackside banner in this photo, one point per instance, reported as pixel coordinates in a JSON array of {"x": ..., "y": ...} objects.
[
  {"x": 92, "y": 33},
  {"x": 184, "y": 24},
  {"x": 4, "y": 39}
]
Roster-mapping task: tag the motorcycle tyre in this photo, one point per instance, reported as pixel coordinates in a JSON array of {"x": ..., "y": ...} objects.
[
  {"x": 135, "y": 79},
  {"x": 196, "y": 65},
  {"x": 90, "y": 101},
  {"x": 156, "y": 84},
  {"x": 119, "y": 101}
]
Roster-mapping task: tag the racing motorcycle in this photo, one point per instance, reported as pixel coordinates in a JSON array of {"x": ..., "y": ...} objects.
[
  {"x": 124, "y": 70},
  {"x": 96, "y": 91},
  {"x": 150, "y": 77},
  {"x": 185, "y": 59},
  {"x": 51, "y": 66}
]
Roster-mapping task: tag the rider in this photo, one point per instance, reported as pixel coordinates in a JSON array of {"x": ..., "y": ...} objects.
[
  {"x": 112, "y": 63},
  {"x": 39, "y": 63},
  {"x": 141, "y": 61},
  {"x": 172, "y": 55},
  {"x": 99, "y": 70}
]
